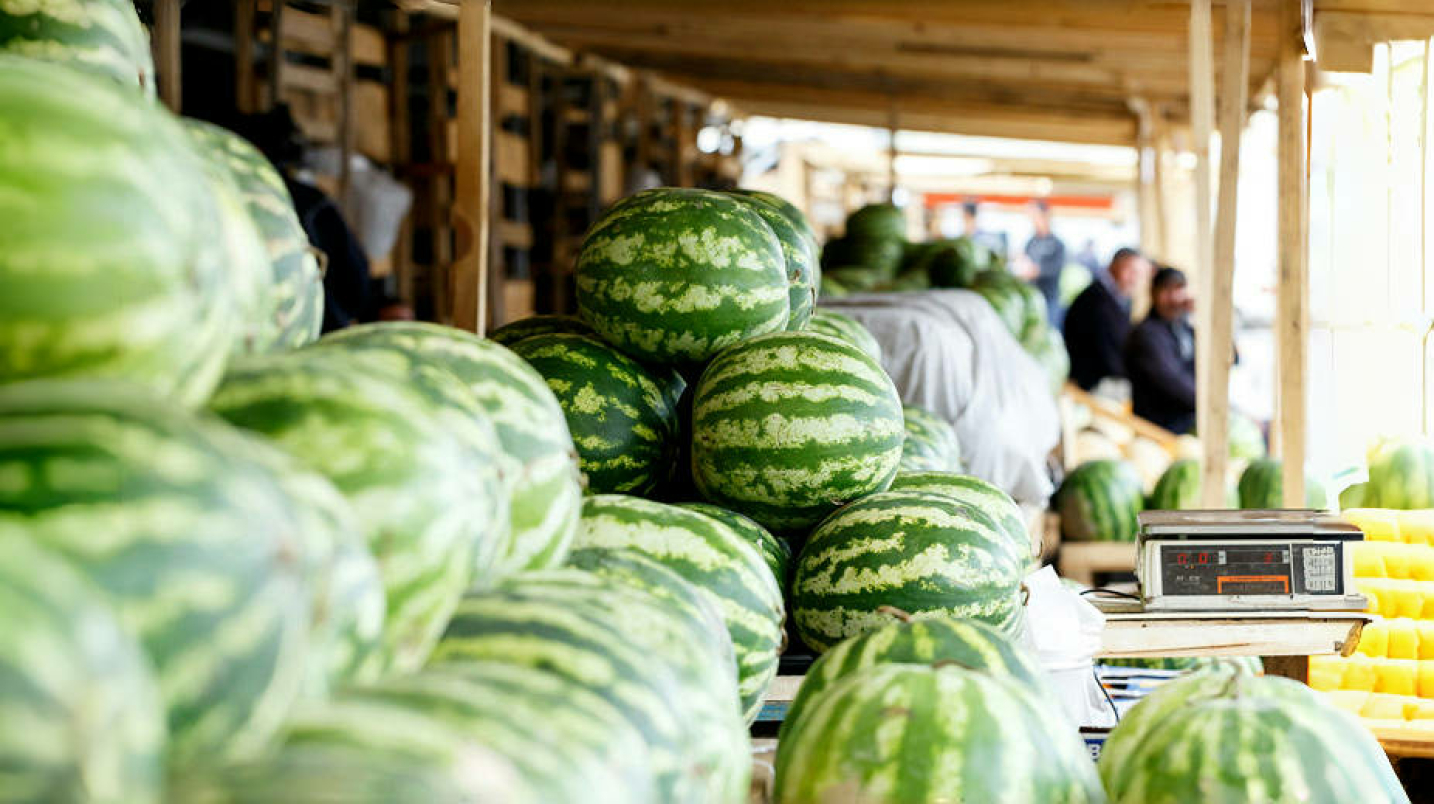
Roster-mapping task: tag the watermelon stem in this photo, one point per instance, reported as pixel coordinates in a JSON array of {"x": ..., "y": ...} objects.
[{"x": 895, "y": 612}]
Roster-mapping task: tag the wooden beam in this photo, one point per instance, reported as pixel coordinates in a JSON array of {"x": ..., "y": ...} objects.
[
  {"x": 1146, "y": 179},
  {"x": 341, "y": 20},
  {"x": 166, "y": 49},
  {"x": 1211, "y": 422},
  {"x": 276, "y": 54},
  {"x": 246, "y": 85},
  {"x": 1292, "y": 301},
  {"x": 471, "y": 197}
]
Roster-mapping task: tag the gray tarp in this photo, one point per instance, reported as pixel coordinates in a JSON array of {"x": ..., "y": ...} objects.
[{"x": 948, "y": 352}]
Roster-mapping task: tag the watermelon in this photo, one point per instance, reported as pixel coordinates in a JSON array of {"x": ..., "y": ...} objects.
[
  {"x": 103, "y": 37},
  {"x": 833, "y": 287},
  {"x": 1222, "y": 735},
  {"x": 1178, "y": 488},
  {"x": 919, "y": 552},
  {"x": 800, "y": 258},
  {"x": 1262, "y": 485},
  {"x": 543, "y": 483},
  {"x": 83, "y": 718},
  {"x": 904, "y": 640},
  {"x": 1034, "y": 310},
  {"x": 515, "y": 331},
  {"x": 977, "y": 493},
  {"x": 851, "y": 278},
  {"x": 865, "y": 261},
  {"x": 114, "y": 264},
  {"x": 931, "y": 733},
  {"x": 793, "y": 213},
  {"x": 1003, "y": 291},
  {"x": 787, "y": 427},
  {"x": 677, "y": 275},
  {"x": 1252, "y": 664},
  {"x": 1100, "y": 501},
  {"x": 621, "y": 415},
  {"x": 411, "y": 452},
  {"x": 1048, "y": 347},
  {"x": 845, "y": 328},
  {"x": 1355, "y": 496},
  {"x": 713, "y": 557},
  {"x": 290, "y": 309},
  {"x": 1401, "y": 475},
  {"x": 775, "y": 551},
  {"x": 930, "y": 445},
  {"x": 588, "y": 649},
  {"x": 193, "y": 542},
  {"x": 882, "y": 221}
]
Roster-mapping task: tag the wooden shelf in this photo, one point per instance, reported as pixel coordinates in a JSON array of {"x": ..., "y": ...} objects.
[
  {"x": 1405, "y": 743},
  {"x": 1267, "y": 634}
]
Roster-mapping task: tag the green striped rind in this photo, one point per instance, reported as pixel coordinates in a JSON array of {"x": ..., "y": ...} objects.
[
  {"x": 1048, "y": 347},
  {"x": 508, "y": 625},
  {"x": 292, "y": 305},
  {"x": 931, "y": 444},
  {"x": 511, "y": 333},
  {"x": 677, "y": 275},
  {"x": 1401, "y": 475},
  {"x": 193, "y": 543},
  {"x": 914, "y": 733},
  {"x": 800, "y": 257},
  {"x": 1100, "y": 501},
  {"x": 968, "y": 643},
  {"x": 1003, "y": 291},
  {"x": 1262, "y": 485},
  {"x": 367, "y": 749},
  {"x": 544, "y": 486},
  {"x": 113, "y": 263},
  {"x": 787, "y": 427},
  {"x": 714, "y": 558},
  {"x": 881, "y": 221},
  {"x": 845, "y": 328},
  {"x": 621, "y": 416},
  {"x": 1225, "y": 736},
  {"x": 104, "y": 37},
  {"x": 419, "y": 487},
  {"x": 1178, "y": 488},
  {"x": 977, "y": 493},
  {"x": 775, "y": 551},
  {"x": 793, "y": 213},
  {"x": 80, "y": 715},
  {"x": 925, "y": 554}
]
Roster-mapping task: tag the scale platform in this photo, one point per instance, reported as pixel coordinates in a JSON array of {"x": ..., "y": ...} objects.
[{"x": 1243, "y": 561}]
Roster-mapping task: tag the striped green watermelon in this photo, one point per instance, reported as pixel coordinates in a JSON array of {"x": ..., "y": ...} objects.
[
  {"x": 968, "y": 643},
  {"x": 882, "y": 221},
  {"x": 1222, "y": 735},
  {"x": 977, "y": 493},
  {"x": 1354, "y": 496},
  {"x": 515, "y": 331},
  {"x": 621, "y": 415},
  {"x": 544, "y": 488},
  {"x": 1178, "y": 487},
  {"x": 104, "y": 37},
  {"x": 793, "y": 213},
  {"x": 932, "y": 733},
  {"x": 787, "y": 427},
  {"x": 291, "y": 305},
  {"x": 846, "y": 328},
  {"x": 1100, "y": 501},
  {"x": 832, "y": 287},
  {"x": 1048, "y": 347},
  {"x": 412, "y": 453},
  {"x": 193, "y": 542},
  {"x": 714, "y": 558},
  {"x": 863, "y": 262},
  {"x": 919, "y": 552},
  {"x": 82, "y": 718},
  {"x": 1003, "y": 291},
  {"x": 113, "y": 261},
  {"x": 775, "y": 551},
  {"x": 1262, "y": 485},
  {"x": 677, "y": 275},
  {"x": 511, "y": 625},
  {"x": 800, "y": 258},
  {"x": 1034, "y": 311},
  {"x": 930, "y": 445},
  {"x": 1401, "y": 475},
  {"x": 1251, "y": 664}
]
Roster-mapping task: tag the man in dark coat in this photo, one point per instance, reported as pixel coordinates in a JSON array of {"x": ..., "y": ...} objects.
[
  {"x": 1160, "y": 356},
  {"x": 1098, "y": 321}
]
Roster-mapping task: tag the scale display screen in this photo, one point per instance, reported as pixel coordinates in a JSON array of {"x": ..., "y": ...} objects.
[{"x": 1243, "y": 568}]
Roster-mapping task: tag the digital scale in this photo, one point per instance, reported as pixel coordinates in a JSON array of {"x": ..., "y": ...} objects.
[{"x": 1277, "y": 560}]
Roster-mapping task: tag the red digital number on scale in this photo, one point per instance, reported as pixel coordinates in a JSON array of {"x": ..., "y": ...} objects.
[{"x": 1203, "y": 558}]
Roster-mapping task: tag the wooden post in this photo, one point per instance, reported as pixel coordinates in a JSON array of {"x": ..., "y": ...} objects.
[
  {"x": 1292, "y": 332},
  {"x": 276, "y": 55},
  {"x": 402, "y": 151},
  {"x": 470, "y": 202},
  {"x": 166, "y": 48},
  {"x": 246, "y": 89},
  {"x": 1145, "y": 184},
  {"x": 1210, "y": 401},
  {"x": 891, "y": 124},
  {"x": 341, "y": 23},
  {"x": 1161, "y": 142}
]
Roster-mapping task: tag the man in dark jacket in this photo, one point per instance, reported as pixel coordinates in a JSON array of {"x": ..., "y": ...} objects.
[
  {"x": 1160, "y": 356},
  {"x": 1098, "y": 321}
]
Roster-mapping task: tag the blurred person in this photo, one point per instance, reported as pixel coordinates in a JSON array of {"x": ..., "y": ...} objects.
[
  {"x": 1160, "y": 356},
  {"x": 1098, "y": 321},
  {"x": 1045, "y": 259},
  {"x": 971, "y": 228},
  {"x": 1087, "y": 257}
]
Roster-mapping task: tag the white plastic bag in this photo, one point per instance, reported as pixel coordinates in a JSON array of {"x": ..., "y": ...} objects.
[{"x": 1063, "y": 631}]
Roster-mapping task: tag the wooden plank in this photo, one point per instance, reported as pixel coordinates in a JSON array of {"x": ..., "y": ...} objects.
[
  {"x": 1080, "y": 561},
  {"x": 1292, "y": 302},
  {"x": 1405, "y": 743},
  {"x": 277, "y": 66},
  {"x": 1344, "y": 38},
  {"x": 341, "y": 21},
  {"x": 1139, "y": 635},
  {"x": 166, "y": 52},
  {"x": 1212, "y": 432},
  {"x": 309, "y": 79},
  {"x": 1295, "y": 668},
  {"x": 246, "y": 84},
  {"x": 374, "y": 125},
  {"x": 470, "y": 203},
  {"x": 494, "y": 279},
  {"x": 531, "y": 41}
]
